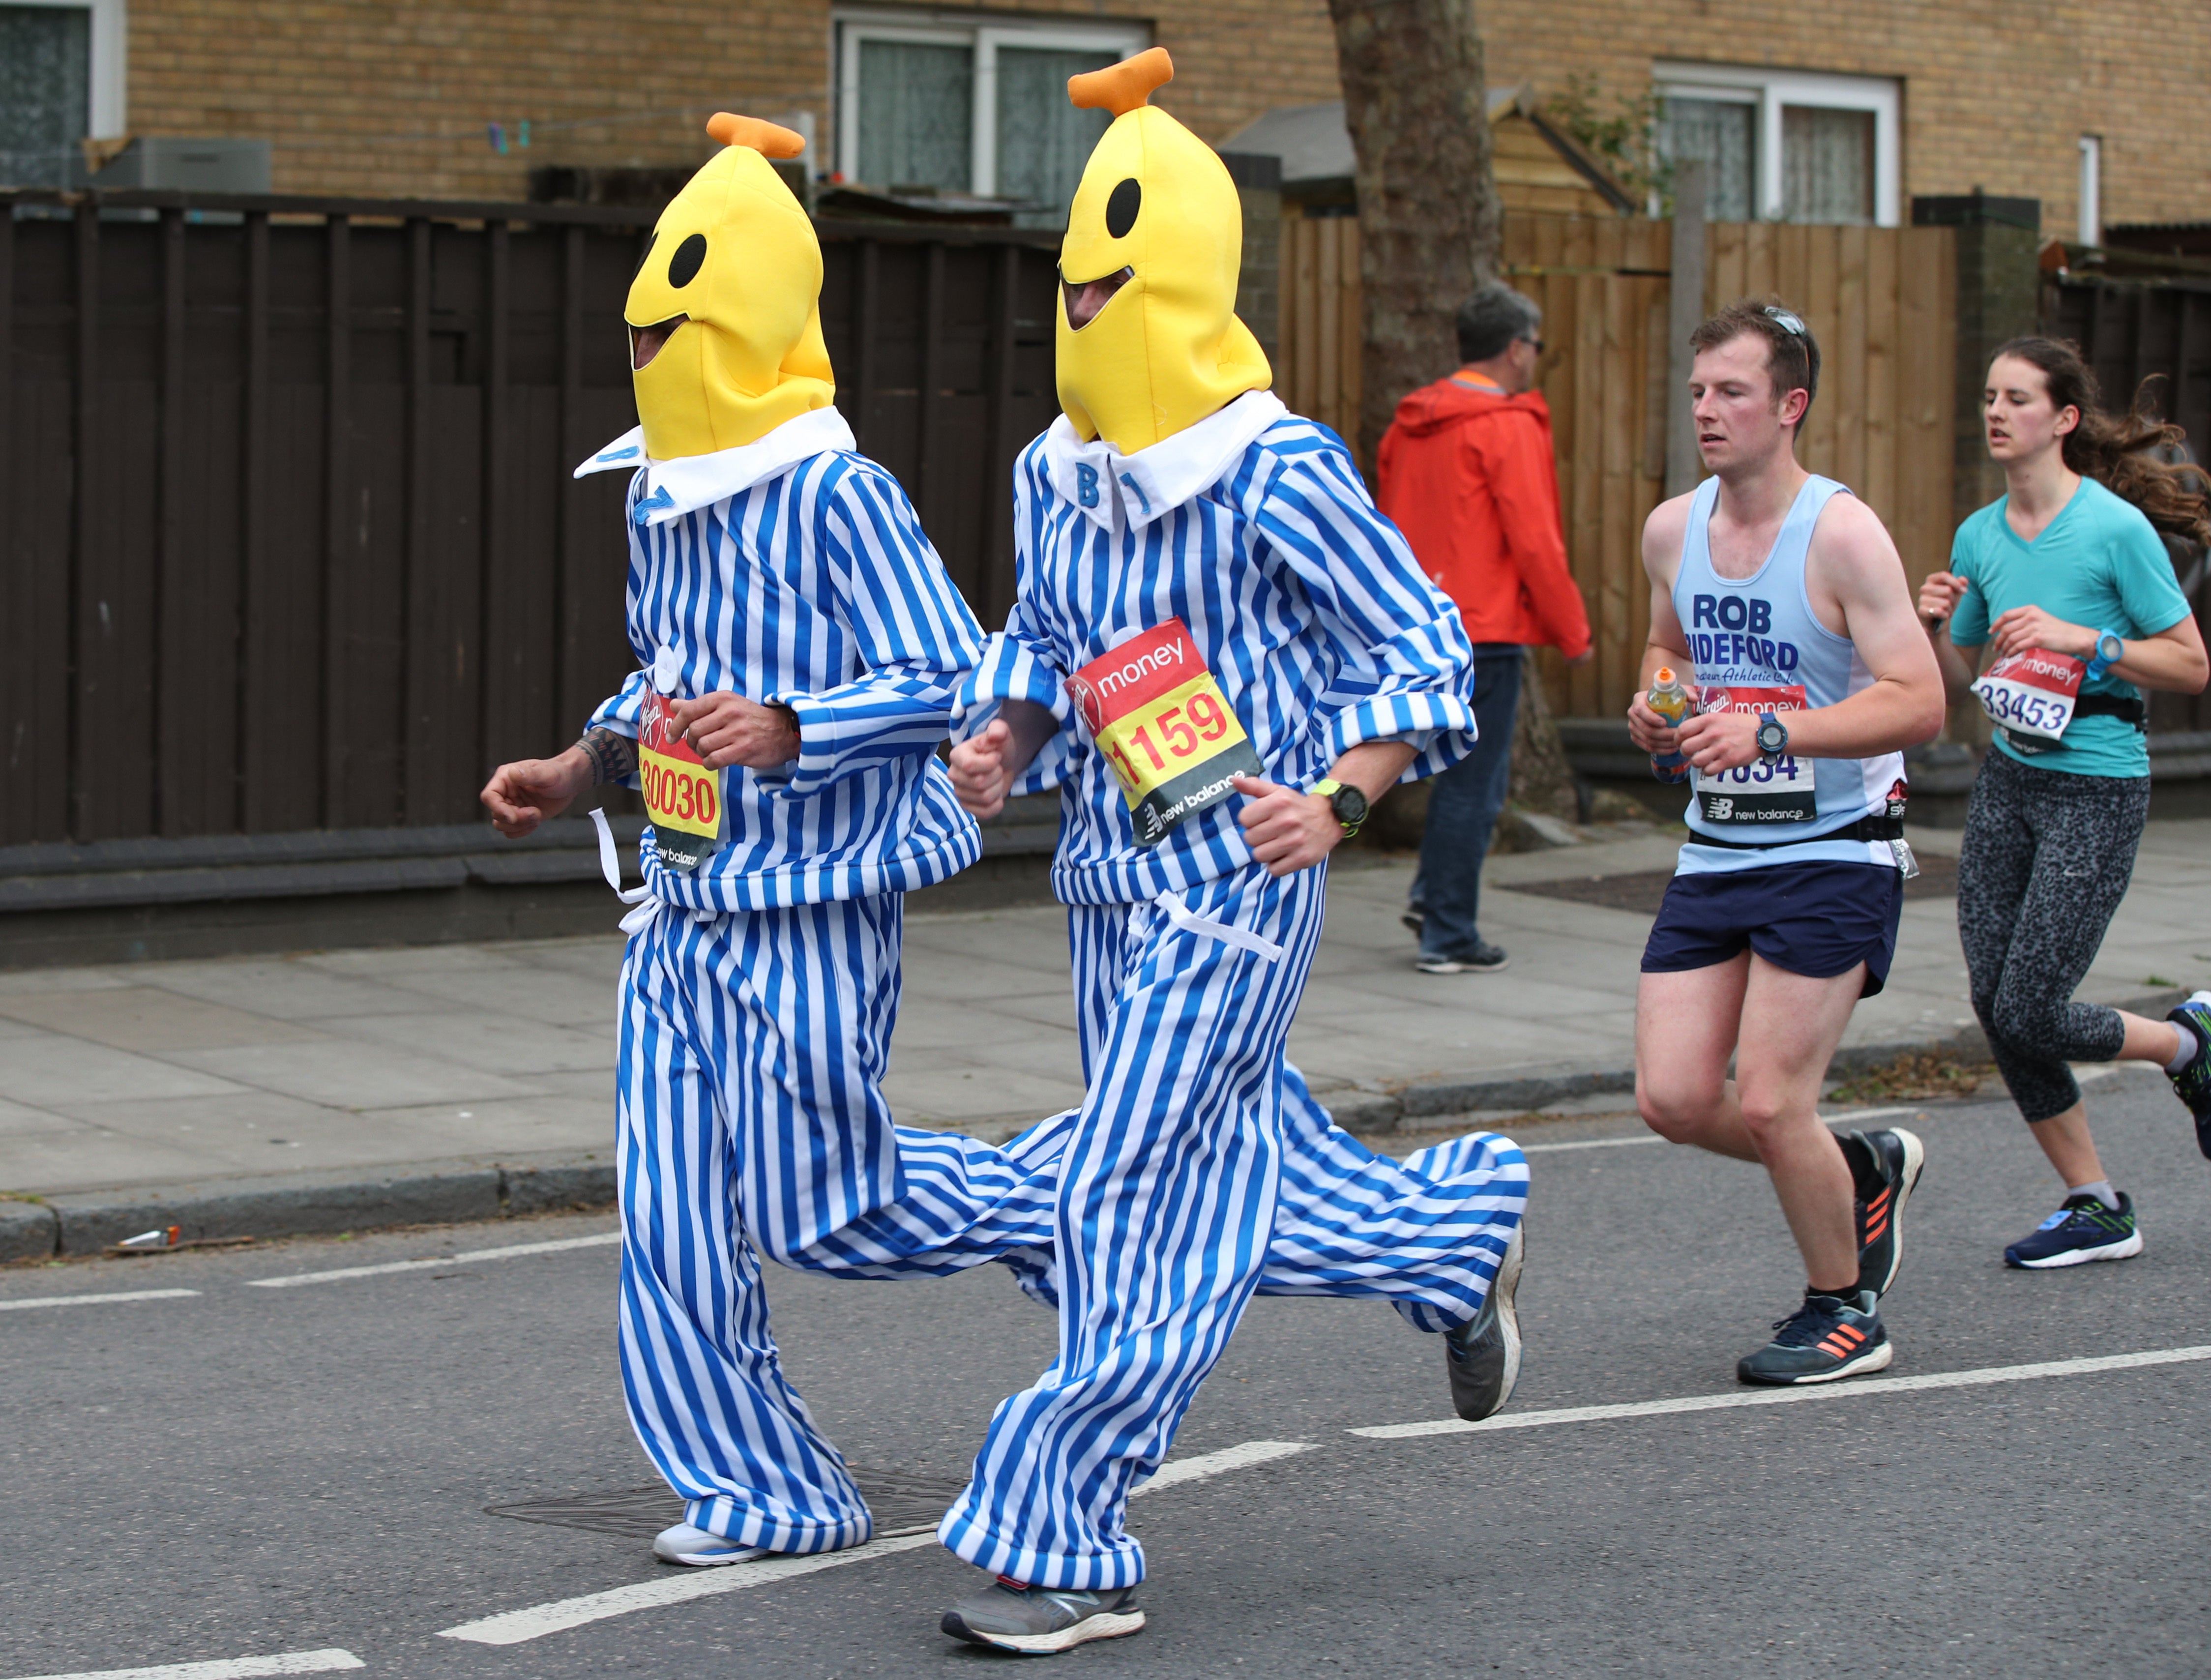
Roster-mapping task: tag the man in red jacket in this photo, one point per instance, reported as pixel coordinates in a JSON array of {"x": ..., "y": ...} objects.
[{"x": 1467, "y": 474}]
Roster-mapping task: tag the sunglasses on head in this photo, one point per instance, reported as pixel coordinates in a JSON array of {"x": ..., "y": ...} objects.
[{"x": 1792, "y": 324}]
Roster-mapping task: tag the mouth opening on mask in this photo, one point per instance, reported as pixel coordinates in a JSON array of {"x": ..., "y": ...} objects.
[
  {"x": 1083, "y": 299},
  {"x": 644, "y": 342}
]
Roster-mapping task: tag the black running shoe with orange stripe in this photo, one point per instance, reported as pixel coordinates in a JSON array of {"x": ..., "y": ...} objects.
[
  {"x": 1824, "y": 1340},
  {"x": 1887, "y": 1166}
]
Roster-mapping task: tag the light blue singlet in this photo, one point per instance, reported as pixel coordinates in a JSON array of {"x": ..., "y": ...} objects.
[{"x": 1758, "y": 639}]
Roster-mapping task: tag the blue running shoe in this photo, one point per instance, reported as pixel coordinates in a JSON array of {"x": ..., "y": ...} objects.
[
  {"x": 1827, "y": 1338},
  {"x": 2192, "y": 1084},
  {"x": 2084, "y": 1229}
]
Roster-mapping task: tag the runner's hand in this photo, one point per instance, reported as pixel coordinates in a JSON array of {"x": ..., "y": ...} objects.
[
  {"x": 521, "y": 795},
  {"x": 726, "y": 729},
  {"x": 1717, "y": 740},
  {"x": 1287, "y": 830},
  {"x": 980, "y": 776},
  {"x": 2023, "y": 628},
  {"x": 1940, "y": 595},
  {"x": 1651, "y": 732}
]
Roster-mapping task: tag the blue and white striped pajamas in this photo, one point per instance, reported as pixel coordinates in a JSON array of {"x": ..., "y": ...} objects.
[
  {"x": 758, "y": 992},
  {"x": 1200, "y": 1170}
]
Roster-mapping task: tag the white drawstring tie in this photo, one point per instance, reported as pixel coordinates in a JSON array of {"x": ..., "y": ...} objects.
[{"x": 1205, "y": 928}]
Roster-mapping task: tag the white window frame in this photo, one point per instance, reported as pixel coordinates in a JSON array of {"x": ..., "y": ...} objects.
[
  {"x": 111, "y": 37},
  {"x": 2092, "y": 189},
  {"x": 1773, "y": 90},
  {"x": 854, "y": 25}
]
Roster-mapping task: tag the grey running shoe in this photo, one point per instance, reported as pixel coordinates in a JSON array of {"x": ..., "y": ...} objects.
[
  {"x": 1037, "y": 1621},
  {"x": 2192, "y": 1084},
  {"x": 1483, "y": 1354},
  {"x": 1895, "y": 1158},
  {"x": 1824, "y": 1340},
  {"x": 1481, "y": 960},
  {"x": 700, "y": 1550}
]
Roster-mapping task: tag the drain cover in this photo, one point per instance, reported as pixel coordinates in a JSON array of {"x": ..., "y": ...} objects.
[{"x": 903, "y": 1504}]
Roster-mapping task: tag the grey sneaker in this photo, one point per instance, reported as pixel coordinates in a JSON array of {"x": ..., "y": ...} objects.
[
  {"x": 1483, "y": 959},
  {"x": 1483, "y": 1354},
  {"x": 700, "y": 1550},
  {"x": 1038, "y": 1621}
]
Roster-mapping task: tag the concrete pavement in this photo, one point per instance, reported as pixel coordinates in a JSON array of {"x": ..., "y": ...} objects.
[{"x": 474, "y": 1065}]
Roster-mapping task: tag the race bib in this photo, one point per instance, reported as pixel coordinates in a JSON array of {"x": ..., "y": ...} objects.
[
  {"x": 1760, "y": 792},
  {"x": 2031, "y": 694},
  {"x": 1158, "y": 716},
  {"x": 682, "y": 796}
]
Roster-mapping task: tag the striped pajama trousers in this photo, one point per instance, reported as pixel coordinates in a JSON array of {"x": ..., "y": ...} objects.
[
  {"x": 751, "y": 1124},
  {"x": 1198, "y": 1172}
]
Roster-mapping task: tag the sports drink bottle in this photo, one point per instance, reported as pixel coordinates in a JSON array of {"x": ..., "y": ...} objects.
[{"x": 1670, "y": 700}]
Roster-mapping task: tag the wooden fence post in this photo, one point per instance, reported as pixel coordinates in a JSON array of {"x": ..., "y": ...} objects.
[{"x": 1685, "y": 310}]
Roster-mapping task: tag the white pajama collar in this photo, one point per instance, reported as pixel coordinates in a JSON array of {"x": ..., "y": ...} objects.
[
  {"x": 1110, "y": 487},
  {"x": 691, "y": 481}
]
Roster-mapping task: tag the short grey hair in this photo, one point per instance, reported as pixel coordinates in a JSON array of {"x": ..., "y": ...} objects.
[{"x": 1492, "y": 319}]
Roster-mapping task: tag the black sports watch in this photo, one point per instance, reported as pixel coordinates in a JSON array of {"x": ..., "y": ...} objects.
[
  {"x": 1772, "y": 736},
  {"x": 1348, "y": 803}
]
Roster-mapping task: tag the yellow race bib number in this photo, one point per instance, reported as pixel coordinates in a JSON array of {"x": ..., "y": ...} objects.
[
  {"x": 679, "y": 792},
  {"x": 1161, "y": 720}
]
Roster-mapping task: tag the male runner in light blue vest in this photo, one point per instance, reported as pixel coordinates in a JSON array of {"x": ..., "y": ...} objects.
[{"x": 1784, "y": 593}]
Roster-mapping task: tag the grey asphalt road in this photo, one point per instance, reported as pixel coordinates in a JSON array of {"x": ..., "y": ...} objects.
[{"x": 249, "y": 1472}]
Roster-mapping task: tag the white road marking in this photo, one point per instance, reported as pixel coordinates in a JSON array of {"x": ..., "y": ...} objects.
[
  {"x": 466, "y": 1258},
  {"x": 1177, "y": 1471},
  {"x": 1653, "y": 1137},
  {"x": 229, "y": 1668},
  {"x": 1774, "y": 1397},
  {"x": 515, "y": 1627},
  {"x": 1593, "y": 1144},
  {"x": 92, "y": 1301}
]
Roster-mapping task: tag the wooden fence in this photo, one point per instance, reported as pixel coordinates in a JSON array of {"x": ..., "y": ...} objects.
[
  {"x": 1878, "y": 298},
  {"x": 287, "y": 537}
]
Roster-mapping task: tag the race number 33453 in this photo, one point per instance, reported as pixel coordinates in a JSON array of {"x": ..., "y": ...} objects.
[
  {"x": 1161, "y": 720},
  {"x": 679, "y": 792}
]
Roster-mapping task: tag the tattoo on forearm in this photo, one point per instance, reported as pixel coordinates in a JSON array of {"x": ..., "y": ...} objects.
[{"x": 614, "y": 757}]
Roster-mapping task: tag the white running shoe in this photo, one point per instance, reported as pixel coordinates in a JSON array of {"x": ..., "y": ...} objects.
[{"x": 701, "y": 1550}]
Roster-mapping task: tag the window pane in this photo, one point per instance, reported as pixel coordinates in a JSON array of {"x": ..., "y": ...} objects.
[
  {"x": 1043, "y": 141},
  {"x": 917, "y": 115},
  {"x": 1827, "y": 164},
  {"x": 1724, "y": 135},
  {"x": 46, "y": 90}
]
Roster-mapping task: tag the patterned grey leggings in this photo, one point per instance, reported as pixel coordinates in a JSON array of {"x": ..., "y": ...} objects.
[{"x": 2045, "y": 860}]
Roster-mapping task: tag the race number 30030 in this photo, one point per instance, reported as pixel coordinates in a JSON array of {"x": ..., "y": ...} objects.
[
  {"x": 679, "y": 792},
  {"x": 1162, "y": 722}
]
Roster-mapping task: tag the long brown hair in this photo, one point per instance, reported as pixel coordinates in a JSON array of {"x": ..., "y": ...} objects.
[{"x": 2117, "y": 451}]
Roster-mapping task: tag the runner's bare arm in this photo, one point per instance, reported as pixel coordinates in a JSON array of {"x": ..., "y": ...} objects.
[
  {"x": 1853, "y": 573},
  {"x": 530, "y": 791},
  {"x": 1938, "y": 603},
  {"x": 1668, "y": 645},
  {"x": 2172, "y": 659},
  {"x": 991, "y": 760}
]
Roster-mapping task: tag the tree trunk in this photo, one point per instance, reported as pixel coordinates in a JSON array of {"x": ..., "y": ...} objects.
[
  {"x": 1413, "y": 99},
  {"x": 1542, "y": 781}
]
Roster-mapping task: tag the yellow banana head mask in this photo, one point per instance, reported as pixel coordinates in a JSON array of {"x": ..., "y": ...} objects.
[
  {"x": 1165, "y": 350},
  {"x": 724, "y": 316}
]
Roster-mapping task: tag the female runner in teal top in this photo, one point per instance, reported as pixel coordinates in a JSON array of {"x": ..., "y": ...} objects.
[{"x": 2065, "y": 583}]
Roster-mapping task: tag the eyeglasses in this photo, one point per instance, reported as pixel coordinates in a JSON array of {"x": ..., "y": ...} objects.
[
  {"x": 1537, "y": 343},
  {"x": 1793, "y": 325}
]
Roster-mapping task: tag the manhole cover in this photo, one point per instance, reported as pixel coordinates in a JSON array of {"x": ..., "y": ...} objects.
[{"x": 903, "y": 1504}]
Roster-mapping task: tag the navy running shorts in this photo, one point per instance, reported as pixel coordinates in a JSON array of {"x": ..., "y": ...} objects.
[{"x": 1818, "y": 919}]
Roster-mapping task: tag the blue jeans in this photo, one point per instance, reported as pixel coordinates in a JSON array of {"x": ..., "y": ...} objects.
[{"x": 1462, "y": 806}]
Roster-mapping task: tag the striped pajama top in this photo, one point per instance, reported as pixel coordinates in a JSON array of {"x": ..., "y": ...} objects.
[
  {"x": 793, "y": 571},
  {"x": 1254, "y": 528}
]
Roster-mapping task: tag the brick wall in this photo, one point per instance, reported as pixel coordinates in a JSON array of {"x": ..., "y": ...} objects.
[{"x": 391, "y": 96}]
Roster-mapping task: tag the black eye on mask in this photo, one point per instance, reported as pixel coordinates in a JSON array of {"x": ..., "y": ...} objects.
[
  {"x": 1121, "y": 209},
  {"x": 690, "y": 256}
]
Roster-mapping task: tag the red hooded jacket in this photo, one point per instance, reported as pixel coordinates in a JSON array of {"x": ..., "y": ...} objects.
[{"x": 1468, "y": 476}]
